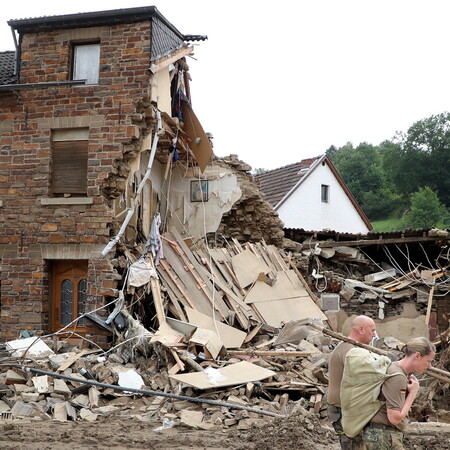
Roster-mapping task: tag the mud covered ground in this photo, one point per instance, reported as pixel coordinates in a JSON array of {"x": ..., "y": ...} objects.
[{"x": 294, "y": 432}]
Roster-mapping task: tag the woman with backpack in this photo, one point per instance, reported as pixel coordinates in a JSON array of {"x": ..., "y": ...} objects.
[{"x": 385, "y": 430}]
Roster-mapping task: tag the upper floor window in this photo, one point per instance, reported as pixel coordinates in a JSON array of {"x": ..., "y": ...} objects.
[
  {"x": 69, "y": 162},
  {"x": 325, "y": 193},
  {"x": 86, "y": 62}
]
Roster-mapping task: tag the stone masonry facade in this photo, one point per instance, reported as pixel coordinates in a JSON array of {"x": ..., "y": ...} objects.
[{"x": 36, "y": 229}]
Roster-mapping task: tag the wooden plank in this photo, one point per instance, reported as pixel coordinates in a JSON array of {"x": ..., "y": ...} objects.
[
  {"x": 247, "y": 266},
  {"x": 381, "y": 241},
  {"x": 173, "y": 277},
  {"x": 174, "y": 303},
  {"x": 234, "y": 374},
  {"x": 430, "y": 302},
  {"x": 290, "y": 354},
  {"x": 200, "y": 274},
  {"x": 233, "y": 299},
  {"x": 217, "y": 258},
  {"x": 199, "y": 302},
  {"x": 252, "y": 333},
  {"x": 156, "y": 293},
  {"x": 305, "y": 284},
  {"x": 69, "y": 361}
]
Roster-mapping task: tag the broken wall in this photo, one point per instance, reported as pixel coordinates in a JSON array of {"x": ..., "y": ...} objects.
[{"x": 251, "y": 218}]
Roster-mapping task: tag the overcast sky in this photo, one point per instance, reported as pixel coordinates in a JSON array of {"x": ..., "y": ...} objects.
[{"x": 279, "y": 81}]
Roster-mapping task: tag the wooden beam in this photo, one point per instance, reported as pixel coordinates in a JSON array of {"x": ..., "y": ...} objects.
[
  {"x": 175, "y": 56},
  {"x": 293, "y": 354},
  {"x": 430, "y": 302},
  {"x": 363, "y": 242}
]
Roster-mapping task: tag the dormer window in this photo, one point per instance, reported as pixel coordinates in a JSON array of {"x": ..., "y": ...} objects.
[{"x": 86, "y": 62}]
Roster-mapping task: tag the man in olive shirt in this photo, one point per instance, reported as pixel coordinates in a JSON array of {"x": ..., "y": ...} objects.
[{"x": 363, "y": 331}]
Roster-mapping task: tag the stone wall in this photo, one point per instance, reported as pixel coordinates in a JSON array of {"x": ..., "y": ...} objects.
[
  {"x": 251, "y": 218},
  {"x": 115, "y": 112}
]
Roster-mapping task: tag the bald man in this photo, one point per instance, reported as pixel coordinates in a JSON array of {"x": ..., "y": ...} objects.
[{"x": 363, "y": 330}]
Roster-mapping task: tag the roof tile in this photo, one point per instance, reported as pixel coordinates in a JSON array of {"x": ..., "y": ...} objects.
[{"x": 275, "y": 184}]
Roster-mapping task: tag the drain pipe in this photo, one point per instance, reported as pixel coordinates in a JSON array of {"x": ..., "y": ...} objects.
[
  {"x": 148, "y": 392},
  {"x": 16, "y": 45},
  {"x": 159, "y": 131}
]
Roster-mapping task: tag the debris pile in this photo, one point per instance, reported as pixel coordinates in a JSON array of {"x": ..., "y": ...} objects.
[{"x": 211, "y": 338}]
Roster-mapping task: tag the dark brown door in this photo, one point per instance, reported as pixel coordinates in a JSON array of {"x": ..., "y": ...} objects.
[{"x": 69, "y": 293}]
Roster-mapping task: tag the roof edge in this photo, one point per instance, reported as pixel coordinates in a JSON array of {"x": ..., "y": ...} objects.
[{"x": 89, "y": 19}]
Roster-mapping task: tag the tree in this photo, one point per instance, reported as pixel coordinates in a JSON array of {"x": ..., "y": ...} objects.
[
  {"x": 427, "y": 211},
  {"x": 423, "y": 158},
  {"x": 359, "y": 167}
]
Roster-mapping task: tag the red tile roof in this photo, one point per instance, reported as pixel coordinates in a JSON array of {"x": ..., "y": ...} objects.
[{"x": 275, "y": 184}]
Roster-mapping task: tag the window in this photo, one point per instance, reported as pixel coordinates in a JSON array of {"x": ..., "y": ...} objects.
[
  {"x": 69, "y": 162},
  {"x": 86, "y": 62},
  {"x": 325, "y": 193},
  {"x": 69, "y": 293}
]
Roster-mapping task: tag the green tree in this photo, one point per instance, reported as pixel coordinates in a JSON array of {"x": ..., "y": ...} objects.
[
  {"x": 359, "y": 167},
  {"x": 423, "y": 158},
  {"x": 427, "y": 211}
]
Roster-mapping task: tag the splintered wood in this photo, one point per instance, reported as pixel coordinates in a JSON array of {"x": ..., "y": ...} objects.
[{"x": 241, "y": 285}]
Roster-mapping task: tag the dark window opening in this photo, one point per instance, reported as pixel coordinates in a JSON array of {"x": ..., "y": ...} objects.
[{"x": 325, "y": 193}]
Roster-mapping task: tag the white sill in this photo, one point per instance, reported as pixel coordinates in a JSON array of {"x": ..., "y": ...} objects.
[{"x": 66, "y": 201}]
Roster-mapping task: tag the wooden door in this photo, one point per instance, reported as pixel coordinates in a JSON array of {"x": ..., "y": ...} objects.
[{"x": 69, "y": 294}]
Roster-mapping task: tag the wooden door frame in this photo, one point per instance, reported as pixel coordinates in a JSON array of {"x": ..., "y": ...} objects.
[{"x": 61, "y": 270}]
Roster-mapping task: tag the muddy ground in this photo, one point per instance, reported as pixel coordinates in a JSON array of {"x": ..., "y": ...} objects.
[{"x": 294, "y": 432}]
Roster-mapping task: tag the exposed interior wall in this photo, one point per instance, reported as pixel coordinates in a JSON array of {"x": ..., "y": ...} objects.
[
  {"x": 194, "y": 218},
  {"x": 161, "y": 82},
  {"x": 304, "y": 208}
]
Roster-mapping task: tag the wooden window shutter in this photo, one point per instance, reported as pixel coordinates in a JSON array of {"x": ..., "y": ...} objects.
[{"x": 69, "y": 167}]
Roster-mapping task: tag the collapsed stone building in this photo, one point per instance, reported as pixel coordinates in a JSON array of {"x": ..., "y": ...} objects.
[
  {"x": 99, "y": 139},
  {"x": 103, "y": 164}
]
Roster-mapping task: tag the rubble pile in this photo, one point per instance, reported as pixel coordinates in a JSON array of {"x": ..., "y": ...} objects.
[
  {"x": 295, "y": 383},
  {"x": 210, "y": 339}
]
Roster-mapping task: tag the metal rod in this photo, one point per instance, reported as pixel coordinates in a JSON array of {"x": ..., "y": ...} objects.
[{"x": 148, "y": 392}]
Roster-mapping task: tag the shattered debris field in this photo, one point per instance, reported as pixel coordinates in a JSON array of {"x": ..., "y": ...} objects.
[{"x": 240, "y": 361}]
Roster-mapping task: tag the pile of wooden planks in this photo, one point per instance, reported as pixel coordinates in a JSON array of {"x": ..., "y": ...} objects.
[{"x": 241, "y": 285}]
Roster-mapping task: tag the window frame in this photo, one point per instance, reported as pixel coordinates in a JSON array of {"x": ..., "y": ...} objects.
[
  {"x": 69, "y": 162},
  {"x": 325, "y": 193},
  {"x": 82, "y": 64}
]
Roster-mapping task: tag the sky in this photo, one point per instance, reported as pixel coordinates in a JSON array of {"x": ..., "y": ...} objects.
[{"x": 280, "y": 81}]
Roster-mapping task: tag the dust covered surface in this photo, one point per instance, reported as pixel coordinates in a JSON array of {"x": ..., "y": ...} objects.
[
  {"x": 427, "y": 436},
  {"x": 293, "y": 432},
  {"x": 296, "y": 431},
  {"x": 105, "y": 434}
]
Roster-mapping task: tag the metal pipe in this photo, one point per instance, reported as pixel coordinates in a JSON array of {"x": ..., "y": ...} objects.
[
  {"x": 113, "y": 242},
  {"x": 148, "y": 391}
]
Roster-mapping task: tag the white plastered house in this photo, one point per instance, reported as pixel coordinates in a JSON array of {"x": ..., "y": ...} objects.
[{"x": 311, "y": 195}]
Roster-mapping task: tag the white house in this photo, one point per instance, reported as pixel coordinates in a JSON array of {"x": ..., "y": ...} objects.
[{"x": 311, "y": 195}]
